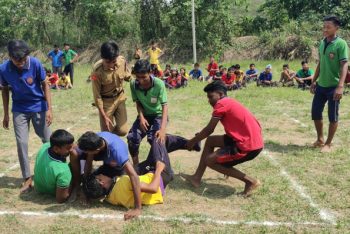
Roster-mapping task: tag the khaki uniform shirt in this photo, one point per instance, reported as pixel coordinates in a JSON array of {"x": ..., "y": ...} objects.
[{"x": 109, "y": 83}]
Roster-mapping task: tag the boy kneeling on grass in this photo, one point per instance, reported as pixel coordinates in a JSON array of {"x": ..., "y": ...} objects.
[
  {"x": 242, "y": 142},
  {"x": 52, "y": 174}
]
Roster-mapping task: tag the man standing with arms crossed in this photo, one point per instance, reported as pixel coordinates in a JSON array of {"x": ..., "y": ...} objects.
[
  {"x": 328, "y": 82},
  {"x": 31, "y": 101},
  {"x": 107, "y": 78}
]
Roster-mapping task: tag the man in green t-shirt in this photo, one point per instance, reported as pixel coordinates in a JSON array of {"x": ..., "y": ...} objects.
[
  {"x": 328, "y": 81},
  {"x": 151, "y": 102},
  {"x": 70, "y": 57},
  {"x": 304, "y": 76},
  {"x": 52, "y": 174}
]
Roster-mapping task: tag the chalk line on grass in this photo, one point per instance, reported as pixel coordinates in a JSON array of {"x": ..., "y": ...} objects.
[
  {"x": 185, "y": 220},
  {"x": 296, "y": 120},
  {"x": 323, "y": 213}
]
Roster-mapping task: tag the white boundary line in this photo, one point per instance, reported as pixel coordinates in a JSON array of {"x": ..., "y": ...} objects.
[
  {"x": 120, "y": 217},
  {"x": 296, "y": 120},
  {"x": 323, "y": 213}
]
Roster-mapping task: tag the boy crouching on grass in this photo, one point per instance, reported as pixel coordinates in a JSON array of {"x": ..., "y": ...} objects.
[
  {"x": 242, "y": 142},
  {"x": 52, "y": 174}
]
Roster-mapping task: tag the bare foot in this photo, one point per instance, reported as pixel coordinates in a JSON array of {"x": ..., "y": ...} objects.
[
  {"x": 26, "y": 186},
  {"x": 318, "y": 144},
  {"x": 249, "y": 188},
  {"x": 326, "y": 148},
  {"x": 191, "y": 179}
]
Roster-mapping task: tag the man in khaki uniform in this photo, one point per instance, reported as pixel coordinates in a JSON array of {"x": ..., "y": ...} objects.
[{"x": 107, "y": 78}]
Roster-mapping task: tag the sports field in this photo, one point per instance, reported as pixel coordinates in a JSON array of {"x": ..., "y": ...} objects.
[{"x": 303, "y": 191}]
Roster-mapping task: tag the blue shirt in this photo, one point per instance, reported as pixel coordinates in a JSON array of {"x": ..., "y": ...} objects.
[
  {"x": 27, "y": 93},
  {"x": 117, "y": 150},
  {"x": 56, "y": 58},
  {"x": 265, "y": 76},
  {"x": 251, "y": 72},
  {"x": 196, "y": 73}
]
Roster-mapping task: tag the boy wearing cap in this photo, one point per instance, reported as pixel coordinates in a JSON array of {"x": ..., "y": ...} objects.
[
  {"x": 31, "y": 101},
  {"x": 328, "y": 81},
  {"x": 265, "y": 78},
  {"x": 242, "y": 142}
]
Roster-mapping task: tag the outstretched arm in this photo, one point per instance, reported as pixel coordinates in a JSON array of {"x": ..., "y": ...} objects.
[{"x": 209, "y": 129}]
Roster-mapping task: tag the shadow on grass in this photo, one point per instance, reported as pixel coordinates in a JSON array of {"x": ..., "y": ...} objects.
[
  {"x": 78, "y": 205},
  {"x": 286, "y": 149},
  {"x": 7, "y": 182},
  {"x": 207, "y": 189}
]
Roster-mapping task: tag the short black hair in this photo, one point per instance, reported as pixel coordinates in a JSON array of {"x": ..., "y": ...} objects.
[
  {"x": 18, "y": 49},
  {"x": 92, "y": 188},
  {"x": 285, "y": 65},
  {"x": 66, "y": 44},
  {"x": 153, "y": 42},
  {"x": 90, "y": 141},
  {"x": 216, "y": 86},
  {"x": 304, "y": 62},
  {"x": 252, "y": 64},
  {"x": 109, "y": 50},
  {"x": 55, "y": 46},
  {"x": 142, "y": 66},
  {"x": 60, "y": 138},
  {"x": 196, "y": 64},
  {"x": 332, "y": 18},
  {"x": 221, "y": 66},
  {"x": 237, "y": 66}
]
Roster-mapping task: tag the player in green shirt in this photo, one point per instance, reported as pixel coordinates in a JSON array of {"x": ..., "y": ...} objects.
[
  {"x": 305, "y": 75},
  {"x": 70, "y": 57},
  {"x": 52, "y": 174},
  {"x": 151, "y": 102},
  {"x": 328, "y": 81}
]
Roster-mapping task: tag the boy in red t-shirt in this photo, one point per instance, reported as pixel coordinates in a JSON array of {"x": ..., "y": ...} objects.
[
  {"x": 52, "y": 79},
  {"x": 242, "y": 142},
  {"x": 229, "y": 79},
  {"x": 212, "y": 68},
  {"x": 174, "y": 80}
]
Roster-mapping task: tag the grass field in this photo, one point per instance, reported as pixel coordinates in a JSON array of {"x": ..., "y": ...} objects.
[{"x": 303, "y": 191}]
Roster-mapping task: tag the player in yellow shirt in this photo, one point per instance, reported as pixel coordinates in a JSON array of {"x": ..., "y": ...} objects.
[
  {"x": 118, "y": 190},
  {"x": 154, "y": 53},
  {"x": 64, "y": 81}
]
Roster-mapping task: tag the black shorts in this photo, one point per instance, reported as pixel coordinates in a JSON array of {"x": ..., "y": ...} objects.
[{"x": 230, "y": 155}]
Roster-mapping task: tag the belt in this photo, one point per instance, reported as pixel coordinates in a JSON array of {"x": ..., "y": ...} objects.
[{"x": 114, "y": 95}]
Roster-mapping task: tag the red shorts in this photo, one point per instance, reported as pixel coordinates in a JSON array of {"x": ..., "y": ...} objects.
[{"x": 230, "y": 155}]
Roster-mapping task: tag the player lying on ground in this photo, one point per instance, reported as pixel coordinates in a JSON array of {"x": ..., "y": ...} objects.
[{"x": 242, "y": 141}]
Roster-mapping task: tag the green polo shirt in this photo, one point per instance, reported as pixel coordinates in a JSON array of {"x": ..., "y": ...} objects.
[
  {"x": 68, "y": 55},
  {"x": 331, "y": 54},
  {"x": 303, "y": 74},
  {"x": 152, "y": 99},
  {"x": 50, "y": 173}
]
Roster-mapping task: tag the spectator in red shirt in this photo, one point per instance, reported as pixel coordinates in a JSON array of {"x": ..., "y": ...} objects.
[
  {"x": 229, "y": 79},
  {"x": 174, "y": 80},
  {"x": 52, "y": 79},
  {"x": 242, "y": 142},
  {"x": 212, "y": 68}
]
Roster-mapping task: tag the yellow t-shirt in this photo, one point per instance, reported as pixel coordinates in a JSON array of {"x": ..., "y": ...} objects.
[
  {"x": 64, "y": 82},
  {"x": 239, "y": 76},
  {"x": 154, "y": 55},
  {"x": 122, "y": 193}
]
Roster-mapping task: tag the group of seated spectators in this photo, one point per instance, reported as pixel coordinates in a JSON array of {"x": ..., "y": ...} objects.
[{"x": 58, "y": 80}]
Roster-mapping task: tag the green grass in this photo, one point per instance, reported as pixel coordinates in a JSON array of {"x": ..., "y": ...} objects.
[{"x": 325, "y": 177}]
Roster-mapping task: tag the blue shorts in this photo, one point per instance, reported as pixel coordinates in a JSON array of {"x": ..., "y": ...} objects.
[{"x": 323, "y": 95}]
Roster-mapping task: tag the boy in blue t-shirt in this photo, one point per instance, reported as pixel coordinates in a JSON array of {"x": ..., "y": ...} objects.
[
  {"x": 265, "y": 78},
  {"x": 196, "y": 73},
  {"x": 252, "y": 73},
  {"x": 31, "y": 101}
]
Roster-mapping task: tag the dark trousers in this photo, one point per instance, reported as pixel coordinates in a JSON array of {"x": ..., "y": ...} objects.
[
  {"x": 69, "y": 69},
  {"x": 159, "y": 153}
]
